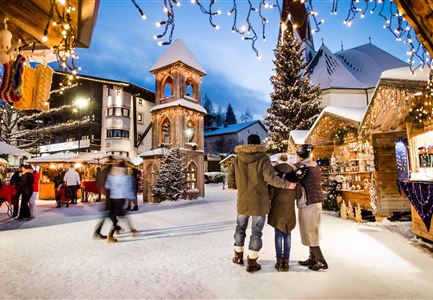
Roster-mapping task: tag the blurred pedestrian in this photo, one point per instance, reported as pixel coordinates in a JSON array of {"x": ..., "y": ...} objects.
[
  {"x": 120, "y": 185},
  {"x": 26, "y": 184},
  {"x": 32, "y": 202},
  {"x": 101, "y": 179},
  {"x": 135, "y": 180},
  {"x": 15, "y": 181},
  {"x": 72, "y": 180}
]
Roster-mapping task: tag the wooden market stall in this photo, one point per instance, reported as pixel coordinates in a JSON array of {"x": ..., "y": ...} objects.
[{"x": 384, "y": 127}]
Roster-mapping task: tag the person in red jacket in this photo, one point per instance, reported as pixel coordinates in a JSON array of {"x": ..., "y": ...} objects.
[{"x": 32, "y": 202}]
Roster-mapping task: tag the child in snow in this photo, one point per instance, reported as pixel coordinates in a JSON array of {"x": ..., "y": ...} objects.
[
  {"x": 310, "y": 207},
  {"x": 282, "y": 214}
]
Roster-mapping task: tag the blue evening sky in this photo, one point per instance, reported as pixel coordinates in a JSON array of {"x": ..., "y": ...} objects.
[{"x": 123, "y": 47}]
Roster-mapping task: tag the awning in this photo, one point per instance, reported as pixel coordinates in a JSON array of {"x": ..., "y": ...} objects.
[{"x": 12, "y": 150}]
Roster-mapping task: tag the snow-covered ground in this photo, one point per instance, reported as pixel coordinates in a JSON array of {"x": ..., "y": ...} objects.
[{"x": 184, "y": 251}]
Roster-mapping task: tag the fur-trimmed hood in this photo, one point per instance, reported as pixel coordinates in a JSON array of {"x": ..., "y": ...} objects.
[{"x": 250, "y": 153}]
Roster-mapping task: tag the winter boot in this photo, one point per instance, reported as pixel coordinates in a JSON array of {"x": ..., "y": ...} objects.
[
  {"x": 111, "y": 239},
  {"x": 252, "y": 265},
  {"x": 285, "y": 265},
  {"x": 319, "y": 265},
  {"x": 279, "y": 265},
  {"x": 135, "y": 208},
  {"x": 98, "y": 236},
  {"x": 309, "y": 262},
  {"x": 238, "y": 258},
  {"x": 128, "y": 207}
]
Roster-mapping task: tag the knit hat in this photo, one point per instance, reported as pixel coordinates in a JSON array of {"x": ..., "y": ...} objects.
[{"x": 304, "y": 151}]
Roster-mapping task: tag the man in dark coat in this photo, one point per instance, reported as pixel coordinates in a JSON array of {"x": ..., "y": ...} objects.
[
  {"x": 15, "y": 181},
  {"x": 26, "y": 185}
]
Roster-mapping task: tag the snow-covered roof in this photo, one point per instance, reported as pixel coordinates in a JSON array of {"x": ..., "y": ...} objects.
[
  {"x": 177, "y": 52},
  {"x": 359, "y": 67},
  {"x": 56, "y": 157},
  {"x": 299, "y": 136},
  {"x": 355, "y": 114},
  {"x": 406, "y": 74},
  {"x": 234, "y": 128},
  {"x": 12, "y": 150},
  {"x": 154, "y": 152},
  {"x": 180, "y": 102}
]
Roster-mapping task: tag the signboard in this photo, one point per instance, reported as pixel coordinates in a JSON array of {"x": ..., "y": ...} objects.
[{"x": 64, "y": 146}]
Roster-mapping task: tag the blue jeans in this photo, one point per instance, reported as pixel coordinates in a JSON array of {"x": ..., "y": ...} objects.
[
  {"x": 282, "y": 244},
  {"x": 256, "y": 231}
]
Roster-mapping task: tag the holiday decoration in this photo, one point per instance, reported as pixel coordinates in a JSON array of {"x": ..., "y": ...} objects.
[
  {"x": 295, "y": 103},
  {"x": 7, "y": 50},
  {"x": 170, "y": 181},
  {"x": 420, "y": 195},
  {"x": 343, "y": 210},
  {"x": 358, "y": 213}
]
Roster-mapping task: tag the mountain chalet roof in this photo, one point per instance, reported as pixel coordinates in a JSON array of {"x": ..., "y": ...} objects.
[
  {"x": 177, "y": 52},
  {"x": 229, "y": 129},
  {"x": 406, "y": 74},
  {"x": 356, "y": 68}
]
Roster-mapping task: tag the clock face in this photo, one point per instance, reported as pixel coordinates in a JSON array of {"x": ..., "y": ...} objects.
[
  {"x": 108, "y": 145},
  {"x": 117, "y": 122}
]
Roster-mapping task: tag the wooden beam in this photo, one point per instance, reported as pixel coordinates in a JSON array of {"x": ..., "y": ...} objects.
[{"x": 420, "y": 16}]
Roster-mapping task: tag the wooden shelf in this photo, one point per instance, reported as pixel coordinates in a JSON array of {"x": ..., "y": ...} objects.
[
  {"x": 352, "y": 173},
  {"x": 353, "y": 191}
]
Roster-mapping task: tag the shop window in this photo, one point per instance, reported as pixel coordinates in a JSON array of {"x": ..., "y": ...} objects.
[
  {"x": 191, "y": 176},
  {"x": 168, "y": 87},
  {"x": 140, "y": 118},
  {"x": 166, "y": 132},
  {"x": 190, "y": 132}
]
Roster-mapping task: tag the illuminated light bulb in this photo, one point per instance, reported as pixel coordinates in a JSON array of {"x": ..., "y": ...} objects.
[
  {"x": 143, "y": 16},
  {"x": 79, "y": 68},
  {"x": 193, "y": 1},
  {"x": 259, "y": 57},
  {"x": 160, "y": 43},
  {"x": 158, "y": 24},
  {"x": 155, "y": 37},
  {"x": 178, "y": 4},
  {"x": 68, "y": 11},
  {"x": 229, "y": 13},
  {"x": 74, "y": 72},
  {"x": 217, "y": 27},
  {"x": 62, "y": 2},
  {"x": 165, "y": 9},
  {"x": 363, "y": 16},
  {"x": 66, "y": 26},
  {"x": 219, "y": 12},
  {"x": 243, "y": 28},
  {"x": 54, "y": 23},
  {"x": 44, "y": 38},
  {"x": 64, "y": 32}
]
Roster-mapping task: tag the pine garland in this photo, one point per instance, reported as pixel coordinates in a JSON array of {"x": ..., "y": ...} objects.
[{"x": 295, "y": 102}]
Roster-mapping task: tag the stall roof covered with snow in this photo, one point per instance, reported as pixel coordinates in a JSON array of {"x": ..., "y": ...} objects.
[
  {"x": 393, "y": 97},
  {"x": 234, "y": 128},
  {"x": 330, "y": 120},
  {"x": 356, "y": 68}
]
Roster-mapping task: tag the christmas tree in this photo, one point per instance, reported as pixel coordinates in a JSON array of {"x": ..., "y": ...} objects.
[
  {"x": 170, "y": 182},
  {"x": 219, "y": 117},
  {"x": 230, "y": 116},
  {"x": 208, "y": 105},
  {"x": 295, "y": 102}
]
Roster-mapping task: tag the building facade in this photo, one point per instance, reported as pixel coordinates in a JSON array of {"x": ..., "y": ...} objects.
[
  {"x": 221, "y": 141},
  {"x": 96, "y": 114}
]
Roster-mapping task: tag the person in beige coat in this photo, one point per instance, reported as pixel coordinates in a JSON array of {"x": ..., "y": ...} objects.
[
  {"x": 310, "y": 207},
  {"x": 250, "y": 173},
  {"x": 282, "y": 215}
]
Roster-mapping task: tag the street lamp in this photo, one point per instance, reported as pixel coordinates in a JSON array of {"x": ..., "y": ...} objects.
[{"x": 80, "y": 103}]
